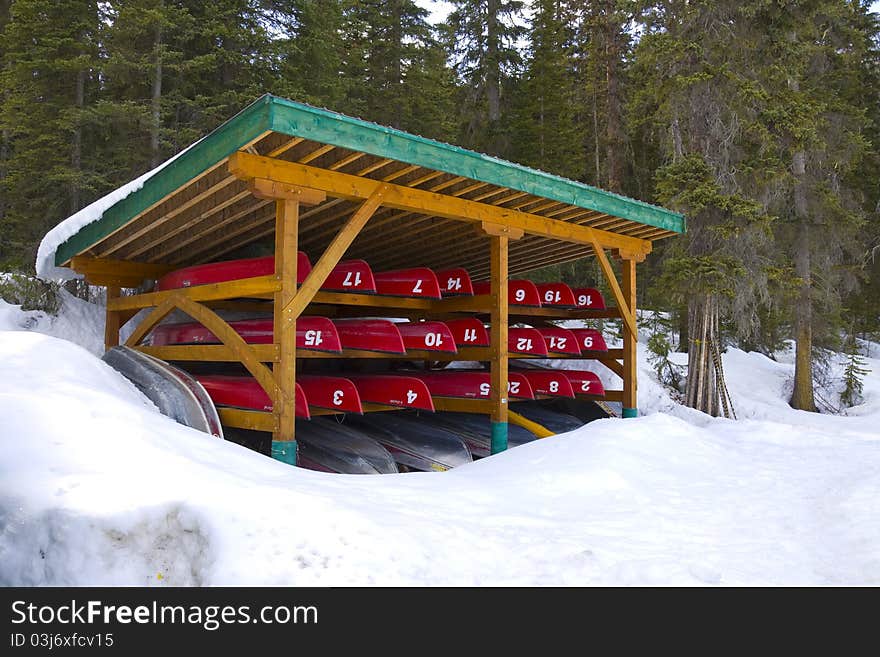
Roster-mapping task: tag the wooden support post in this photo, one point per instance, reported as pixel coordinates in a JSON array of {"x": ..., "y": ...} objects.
[
  {"x": 112, "y": 321},
  {"x": 499, "y": 319},
  {"x": 286, "y": 245},
  {"x": 630, "y": 340}
]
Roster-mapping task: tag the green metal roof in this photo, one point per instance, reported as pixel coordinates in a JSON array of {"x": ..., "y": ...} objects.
[{"x": 273, "y": 114}]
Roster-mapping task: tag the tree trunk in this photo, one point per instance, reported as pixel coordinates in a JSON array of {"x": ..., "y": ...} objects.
[
  {"x": 613, "y": 122},
  {"x": 156, "y": 101},
  {"x": 802, "y": 396},
  {"x": 76, "y": 141},
  {"x": 396, "y": 64},
  {"x": 702, "y": 392},
  {"x": 493, "y": 65}
]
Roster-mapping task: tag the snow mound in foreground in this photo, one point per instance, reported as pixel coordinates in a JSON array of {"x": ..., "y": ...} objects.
[{"x": 97, "y": 488}]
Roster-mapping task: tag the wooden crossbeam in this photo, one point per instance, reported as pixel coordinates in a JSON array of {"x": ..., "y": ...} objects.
[
  {"x": 96, "y": 270},
  {"x": 266, "y": 353},
  {"x": 246, "y": 287},
  {"x": 246, "y": 166},
  {"x": 155, "y": 316}
]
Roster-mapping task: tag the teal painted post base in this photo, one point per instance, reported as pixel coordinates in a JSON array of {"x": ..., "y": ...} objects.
[
  {"x": 499, "y": 437},
  {"x": 284, "y": 450},
  {"x": 630, "y": 412}
]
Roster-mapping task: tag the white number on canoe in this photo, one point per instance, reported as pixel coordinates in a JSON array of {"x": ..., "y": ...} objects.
[
  {"x": 484, "y": 389},
  {"x": 513, "y": 387},
  {"x": 337, "y": 397},
  {"x": 585, "y": 386},
  {"x": 453, "y": 284},
  {"x": 585, "y": 300},
  {"x": 433, "y": 339},
  {"x": 551, "y": 296},
  {"x": 417, "y": 287},
  {"x": 470, "y": 335},
  {"x": 411, "y": 396},
  {"x": 523, "y": 344},
  {"x": 588, "y": 342},
  {"x": 352, "y": 281},
  {"x": 520, "y": 295},
  {"x": 554, "y": 386},
  {"x": 313, "y": 338},
  {"x": 557, "y": 344}
]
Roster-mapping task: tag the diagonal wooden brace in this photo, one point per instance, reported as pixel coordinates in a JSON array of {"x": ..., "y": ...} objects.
[{"x": 331, "y": 256}]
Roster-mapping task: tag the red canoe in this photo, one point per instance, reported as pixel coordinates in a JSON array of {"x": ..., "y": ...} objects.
[
  {"x": 370, "y": 335},
  {"x": 393, "y": 390},
  {"x": 468, "y": 332},
  {"x": 590, "y": 339},
  {"x": 556, "y": 294},
  {"x": 588, "y": 297},
  {"x": 316, "y": 333},
  {"x": 245, "y": 392},
  {"x": 585, "y": 382},
  {"x": 419, "y": 282},
  {"x": 350, "y": 276},
  {"x": 560, "y": 341},
  {"x": 470, "y": 384},
  {"x": 334, "y": 393},
  {"x": 230, "y": 270},
  {"x": 552, "y": 383},
  {"x": 526, "y": 341},
  {"x": 455, "y": 282},
  {"x": 430, "y": 336},
  {"x": 520, "y": 292}
]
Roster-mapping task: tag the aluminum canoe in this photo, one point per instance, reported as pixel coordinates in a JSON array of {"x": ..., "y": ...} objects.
[
  {"x": 175, "y": 393},
  {"x": 326, "y": 445},
  {"x": 476, "y": 430},
  {"x": 413, "y": 442}
]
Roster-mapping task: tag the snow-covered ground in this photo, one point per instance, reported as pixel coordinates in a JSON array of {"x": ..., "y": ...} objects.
[{"x": 97, "y": 488}]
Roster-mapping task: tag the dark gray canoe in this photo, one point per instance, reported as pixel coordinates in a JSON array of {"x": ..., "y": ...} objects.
[
  {"x": 476, "y": 429},
  {"x": 555, "y": 421},
  {"x": 326, "y": 445},
  {"x": 413, "y": 441}
]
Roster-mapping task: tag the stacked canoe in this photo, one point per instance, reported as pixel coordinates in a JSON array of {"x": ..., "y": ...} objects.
[{"x": 348, "y": 392}]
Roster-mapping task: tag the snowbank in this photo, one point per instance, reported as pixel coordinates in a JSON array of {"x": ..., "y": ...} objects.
[{"x": 97, "y": 488}]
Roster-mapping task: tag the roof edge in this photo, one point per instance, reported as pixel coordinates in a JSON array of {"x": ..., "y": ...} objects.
[
  {"x": 226, "y": 139},
  {"x": 289, "y": 117}
]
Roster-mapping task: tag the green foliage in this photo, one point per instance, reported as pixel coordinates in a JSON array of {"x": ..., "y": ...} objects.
[
  {"x": 30, "y": 293},
  {"x": 853, "y": 374},
  {"x": 668, "y": 373}
]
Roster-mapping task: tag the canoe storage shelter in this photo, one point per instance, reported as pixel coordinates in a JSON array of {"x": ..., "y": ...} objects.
[{"x": 331, "y": 186}]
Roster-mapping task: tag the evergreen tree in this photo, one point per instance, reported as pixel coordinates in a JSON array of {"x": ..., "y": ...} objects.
[{"x": 483, "y": 35}]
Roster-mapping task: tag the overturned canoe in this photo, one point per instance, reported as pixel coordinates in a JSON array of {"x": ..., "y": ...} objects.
[
  {"x": 551, "y": 383},
  {"x": 559, "y": 341},
  {"x": 403, "y": 391},
  {"x": 585, "y": 382},
  {"x": 413, "y": 442},
  {"x": 520, "y": 292},
  {"x": 350, "y": 276},
  {"x": 245, "y": 392},
  {"x": 328, "y": 446},
  {"x": 229, "y": 270},
  {"x": 589, "y": 339},
  {"x": 379, "y": 335},
  {"x": 175, "y": 393},
  {"x": 468, "y": 332},
  {"x": 455, "y": 282},
  {"x": 476, "y": 431},
  {"x": 588, "y": 297},
  {"x": 315, "y": 333},
  {"x": 427, "y": 336},
  {"x": 526, "y": 341},
  {"x": 419, "y": 282},
  {"x": 471, "y": 384},
  {"x": 556, "y": 294}
]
